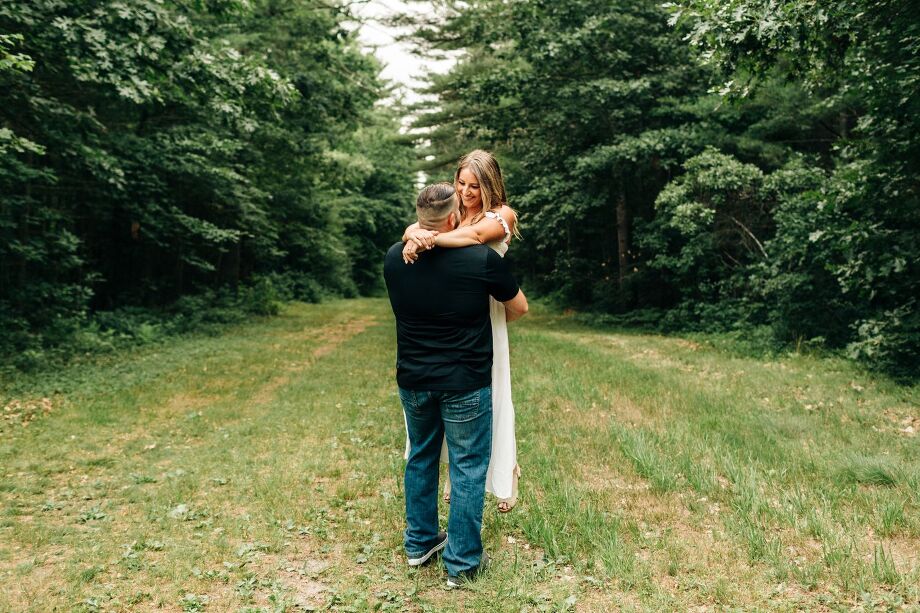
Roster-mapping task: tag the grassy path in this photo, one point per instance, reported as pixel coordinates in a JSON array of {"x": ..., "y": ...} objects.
[{"x": 261, "y": 470}]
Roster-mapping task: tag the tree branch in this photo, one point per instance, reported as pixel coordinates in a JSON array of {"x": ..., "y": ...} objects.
[{"x": 751, "y": 234}]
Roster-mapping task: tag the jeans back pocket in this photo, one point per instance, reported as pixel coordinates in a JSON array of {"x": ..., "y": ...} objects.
[{"x": 466, "y": 406}]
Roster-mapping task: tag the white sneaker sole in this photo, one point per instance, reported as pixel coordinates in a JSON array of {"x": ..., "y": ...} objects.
[{"x": 427, "y": 556}]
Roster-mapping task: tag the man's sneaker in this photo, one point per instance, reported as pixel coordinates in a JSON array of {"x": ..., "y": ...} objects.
[
  {"x": 441, "y": 544},
  {"x": 468, "y": 575}
]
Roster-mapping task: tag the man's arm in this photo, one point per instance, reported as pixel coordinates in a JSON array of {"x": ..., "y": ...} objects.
[
  {"x": 501, "y": 284},
  {"x": 516, "y": 307}
]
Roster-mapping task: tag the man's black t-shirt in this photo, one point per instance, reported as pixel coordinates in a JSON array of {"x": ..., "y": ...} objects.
[{"x": 441, "y": 303}]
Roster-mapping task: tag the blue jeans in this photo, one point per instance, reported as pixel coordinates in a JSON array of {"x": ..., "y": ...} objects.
[{"x": 466, "y": 419}]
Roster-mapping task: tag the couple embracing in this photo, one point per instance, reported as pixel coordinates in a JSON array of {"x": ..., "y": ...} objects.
[{"x": 452, "y": 294}]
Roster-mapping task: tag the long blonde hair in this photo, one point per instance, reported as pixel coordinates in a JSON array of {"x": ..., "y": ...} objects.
[{"x": 491, "y": 184}]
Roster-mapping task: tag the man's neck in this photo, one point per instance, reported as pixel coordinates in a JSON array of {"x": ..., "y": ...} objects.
[{"x": 444, "y": 227}]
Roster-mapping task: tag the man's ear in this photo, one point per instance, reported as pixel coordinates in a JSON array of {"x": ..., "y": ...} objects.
[{"x": 455, "y": 216}]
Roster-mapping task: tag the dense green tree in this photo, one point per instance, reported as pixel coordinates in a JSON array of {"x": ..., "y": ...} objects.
[
  {"x": 738, "y": 163},
  {"x": 862, "y": 58},
  {"x": 154, "y": 149},
  {"x": 594, "y": 103},
  {"x": 332, "y": 147}
]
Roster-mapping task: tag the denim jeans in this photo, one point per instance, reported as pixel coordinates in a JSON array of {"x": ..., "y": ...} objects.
[{"x": 466, "y": 419}]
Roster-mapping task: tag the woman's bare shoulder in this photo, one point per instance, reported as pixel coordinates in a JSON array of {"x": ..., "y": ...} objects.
[{"x": 507, "y": 213}]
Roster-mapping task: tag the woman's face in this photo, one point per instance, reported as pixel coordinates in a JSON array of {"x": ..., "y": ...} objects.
[{"x": 468, "y": 189}]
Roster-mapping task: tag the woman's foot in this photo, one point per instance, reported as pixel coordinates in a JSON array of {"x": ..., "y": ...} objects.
[
  {"x": 506, "y": 504},
  {"x": 447, "y": 490}
]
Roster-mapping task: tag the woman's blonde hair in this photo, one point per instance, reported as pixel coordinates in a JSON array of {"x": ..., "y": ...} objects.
[{"x": 491, "y": 185}]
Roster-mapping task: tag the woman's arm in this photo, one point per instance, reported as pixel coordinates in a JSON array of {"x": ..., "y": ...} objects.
[
  {"x": 405, "y": 236},
  {"x": 483, "y": 231},
  {"x": 476, "y": 234},
  {"x": 421, "y": 237}
]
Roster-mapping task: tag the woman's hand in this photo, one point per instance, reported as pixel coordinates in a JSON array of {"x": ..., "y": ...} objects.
[
  {"x": 417, "y": 240},
  {"x": 424, "y": 239},
  {"x": 410, "y": 252}
]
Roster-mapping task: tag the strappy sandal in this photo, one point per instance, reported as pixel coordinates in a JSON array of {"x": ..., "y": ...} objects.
[{"x": 506, "y": 504}]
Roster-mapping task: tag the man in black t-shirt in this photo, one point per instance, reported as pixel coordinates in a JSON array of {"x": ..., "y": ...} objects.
[{"x": 443, "y": 369}]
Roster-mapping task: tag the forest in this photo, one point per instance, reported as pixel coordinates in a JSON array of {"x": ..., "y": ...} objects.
[{"x": 744, "y": 167}]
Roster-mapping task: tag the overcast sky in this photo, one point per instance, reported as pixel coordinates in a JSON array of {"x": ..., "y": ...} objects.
[{"x": 400, "y": 66}]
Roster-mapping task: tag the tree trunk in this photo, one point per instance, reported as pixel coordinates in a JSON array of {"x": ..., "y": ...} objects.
[
  {"x": 24, "y": 230},
  {"x": 622, "y": 239},
  {"x": 228, "y": 267},
  {"x": 179, "y": 273}
]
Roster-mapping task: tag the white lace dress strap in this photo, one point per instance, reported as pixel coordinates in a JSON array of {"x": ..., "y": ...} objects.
[{"x": 501, "y": 220}]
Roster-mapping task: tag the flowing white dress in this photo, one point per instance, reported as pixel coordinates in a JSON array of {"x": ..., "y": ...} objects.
[{"x": 500, "y": 477}]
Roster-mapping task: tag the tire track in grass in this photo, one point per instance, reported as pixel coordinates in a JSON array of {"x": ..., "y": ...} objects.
[
  {"x": 637, "y": 438},
  {"x": 331, "y": 337},
  {"x": 172, "y": 440},
  {"x": 279, "y": 572}
]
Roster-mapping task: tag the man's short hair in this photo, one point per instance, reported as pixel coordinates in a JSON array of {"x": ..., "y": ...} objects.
[{"x": 435, "y": 202}]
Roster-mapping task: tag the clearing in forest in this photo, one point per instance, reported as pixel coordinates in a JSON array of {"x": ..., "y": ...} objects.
[{"x": 261, "y": 470}]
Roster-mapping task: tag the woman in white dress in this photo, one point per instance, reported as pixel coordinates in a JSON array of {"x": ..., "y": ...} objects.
[{"x": 486, "y": 219}]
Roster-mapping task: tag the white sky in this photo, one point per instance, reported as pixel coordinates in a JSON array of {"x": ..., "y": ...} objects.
[{"x": 400, "y": 65}]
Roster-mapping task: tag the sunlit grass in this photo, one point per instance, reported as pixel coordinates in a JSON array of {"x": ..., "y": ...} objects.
[{"x": 261, "y": 469}]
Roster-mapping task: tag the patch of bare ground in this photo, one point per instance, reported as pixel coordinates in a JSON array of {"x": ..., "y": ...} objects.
[
  {"x": 304, "y": 572},
  {"x": 28, "y": 579},
  {"x": 904, "y": 551},
  {"x": 629, "y": 412},
  {"x": 901, "y": 421},
  {"x": 335, "y": 335},
  {"x": 18, "y": 413},
  {"x": 182, "y": 404},
  {"x": 302, "y": 581},
  {"x": 265, "y": 393},
  {"x": 601, "y": 601},
  {"x": 653, "y": 357},
  {"x": 614, "y": 406}
]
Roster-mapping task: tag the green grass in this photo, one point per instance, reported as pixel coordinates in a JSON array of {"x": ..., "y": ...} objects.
[{"x": 261, "y": 470}]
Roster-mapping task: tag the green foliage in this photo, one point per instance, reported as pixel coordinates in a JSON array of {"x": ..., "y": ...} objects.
[
  {"x": 737, "y": 164},
  {"x": 155, "y": 150},
  {"x": 709, "y": 226},
  {"x": 111, "y": 330},
  {"x": 891, "y": 342},
  {"x": 860, "y": 57},
  {"x": 590, "y": 106}
]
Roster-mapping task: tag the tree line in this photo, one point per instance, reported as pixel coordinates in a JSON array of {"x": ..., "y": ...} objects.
[
  {"x": 748, "y": 166},
  {"x": 739, "y": 166},
  {"x": 188, "y": 155}
]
